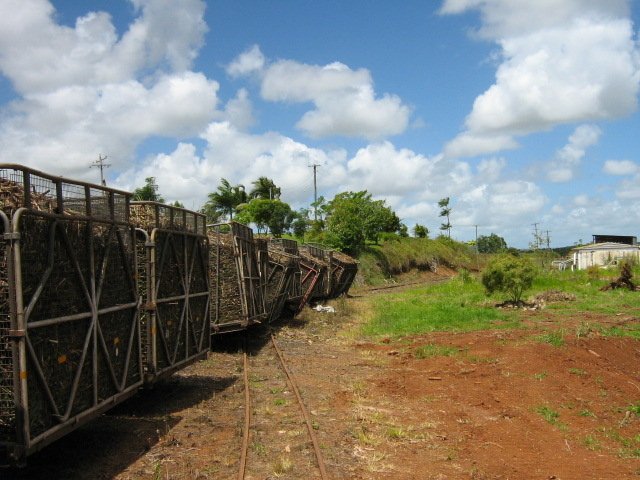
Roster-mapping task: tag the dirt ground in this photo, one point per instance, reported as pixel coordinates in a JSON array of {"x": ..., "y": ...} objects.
[{"x": 503, "y": 404}]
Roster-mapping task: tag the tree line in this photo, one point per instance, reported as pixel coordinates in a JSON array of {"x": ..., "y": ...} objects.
[{"x": 348, "y": 222}]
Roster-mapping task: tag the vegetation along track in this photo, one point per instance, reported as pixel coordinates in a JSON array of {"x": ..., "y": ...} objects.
[{"x": 282, "y": 464}]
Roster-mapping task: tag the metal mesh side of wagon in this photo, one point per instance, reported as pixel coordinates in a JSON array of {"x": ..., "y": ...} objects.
[
  {"x": 236, "y": 291},
  {"x": 174, "y": 286},
  {"x": 75, "y": 328},
  {"x": 7, "y": 409}
]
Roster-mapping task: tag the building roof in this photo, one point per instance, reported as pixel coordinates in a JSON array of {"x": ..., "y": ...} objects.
[{"x": 608, "y": 246}]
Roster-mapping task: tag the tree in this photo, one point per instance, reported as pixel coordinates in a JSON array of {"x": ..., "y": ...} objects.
[
  {"x": 265, "y": 188},
  {"x": 354, "y": 218},
  {"x": 509, "y": 274},
  {"x": 149, "y": 192},
  {"x": 225, "y": 200},
  {"x": 420, "y": 231},
  {"x": 445, "y": 211},
  {"x": 403, "y": 231},
  {"x": 272, "y": 215},
  {"x": 491, "y": 244},
  {"x": 177, "y": 204},
  {"x": 319, "y": 209},
  {"x": 301, "y": 223}
]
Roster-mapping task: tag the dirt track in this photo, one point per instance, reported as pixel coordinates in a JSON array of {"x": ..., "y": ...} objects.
[{"x": 499, "y": 405}]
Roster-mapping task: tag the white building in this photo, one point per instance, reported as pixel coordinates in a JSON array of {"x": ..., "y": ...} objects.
[{"x": 604, "y": 254}]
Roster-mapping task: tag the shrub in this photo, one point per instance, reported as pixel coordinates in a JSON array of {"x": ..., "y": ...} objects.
[{"x": 509, "y": 274}]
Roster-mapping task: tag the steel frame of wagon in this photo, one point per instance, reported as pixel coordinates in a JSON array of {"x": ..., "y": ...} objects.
[{"x": 24, "y": 442}]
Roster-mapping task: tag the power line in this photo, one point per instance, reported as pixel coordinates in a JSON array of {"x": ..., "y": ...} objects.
[{"x": 101, "y": 165}]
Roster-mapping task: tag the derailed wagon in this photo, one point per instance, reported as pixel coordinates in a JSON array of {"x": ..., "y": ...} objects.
[
  {"x": 70, "y": 344},
  {"x": 340, "y": 273},
  {"x": 237, "y": 300},
  {"x": 315, "y": 266},
  {"x": 173, "y": 256},
  {"x": 283, "y": 286}
]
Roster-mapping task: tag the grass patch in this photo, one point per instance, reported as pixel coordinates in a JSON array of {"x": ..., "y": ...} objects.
[
  {"x": 551, "y": 416},
  {"x": 450, "y": 306},
  {"x": 555, "y": 338},
  {"x": 396, "y": 433},
  {"x": 577, "y": 371},
  {"x": 282, "y": 466},
  {"x": 591, "y": 442},
  {"x": 540, "y": 376},
  {"x": 433, "y": 350}
]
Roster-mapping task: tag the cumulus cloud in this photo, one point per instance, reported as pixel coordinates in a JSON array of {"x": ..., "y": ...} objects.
[
  {"x": 241, "y": 158},
  {"x": 562, "y": 62},
  {"x": 345, "y": 101},
  {"x": 569, "y": 157},
  {"x": 239, "y": 110},
  {"x": 620, "y": 167},
  {"x": 85, "y": 91},
  {"x": 469, "y": 144},
  {"x": 39, "y": 55},
  {"x": 247, "y": 62}
]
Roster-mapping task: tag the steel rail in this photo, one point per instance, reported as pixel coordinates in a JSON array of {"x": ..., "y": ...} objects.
[
  {"x": 305, "y": 414},
  {"x": 247, "y": 421}
]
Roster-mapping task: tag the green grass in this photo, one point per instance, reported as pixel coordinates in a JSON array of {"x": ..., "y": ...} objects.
[
  {"x": 462, "y": 305},
  {"x": 433, "y": 350},
  {"x": 450, "y": 306},
  {"x": 551, "y": 416},
  {"x": 379, "y": 262},
  {"x": 587, "y": 291},
  {"x": 555, "y": 338}
]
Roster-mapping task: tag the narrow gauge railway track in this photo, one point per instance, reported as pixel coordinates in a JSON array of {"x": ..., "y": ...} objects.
[{"x": 244, "y": 454}]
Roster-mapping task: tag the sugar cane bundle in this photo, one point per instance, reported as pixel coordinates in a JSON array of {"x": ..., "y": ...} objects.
[
  {"x": 12, "y": 197},
  {"x": 226, "y": 293}
]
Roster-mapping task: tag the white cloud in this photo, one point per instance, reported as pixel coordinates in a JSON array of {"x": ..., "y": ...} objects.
[
  {"x": 247, "y": 62},
  {"x": 239, "y": 110},
  {"x": 569, "y": 157},
  {"x": 85, "y": 91},
  {"x": 344, "y": 99},
  {"x": 501, "y": 202},
  {"x": 241, "y": 158},
  {"x": 630, "y": 190},
  {"x": 469, "y": 144},
  {"x": 562, "y": 62},
  {"x": 39, "y": 55},
  {"x": 507, "y": 18},
  {"x": 620, "y": 167}
]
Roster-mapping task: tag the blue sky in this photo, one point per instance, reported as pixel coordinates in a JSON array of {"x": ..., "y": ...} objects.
[{"x": 521, "y": 112}]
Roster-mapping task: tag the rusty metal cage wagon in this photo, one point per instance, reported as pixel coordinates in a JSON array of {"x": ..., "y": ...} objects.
[
  {"x": 341, "y": 271},
  {"x": 313, "y": 273},
  {"x": 69, "y": 332},
  {"x": 236, "y": 292},
  {"x": 287, "y": 259},
  {"x": 173, "y": 282},
  {"x": 262, "y": 258},
  {"x": 316, "y": 254},
  {"x": 282, "y": 280}
]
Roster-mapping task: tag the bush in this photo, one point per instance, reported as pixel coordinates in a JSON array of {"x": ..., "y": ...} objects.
[{"x": 509, "y": 274}]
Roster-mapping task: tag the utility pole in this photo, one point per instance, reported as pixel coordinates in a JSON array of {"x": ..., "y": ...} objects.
[
  {"x": 315, "y": 191},
  {"x": 536, "y": 239},
  {"x": 547, "y": 232},
  {"x": 476, "y": 238},
  {"x": 101, "y": 165}
]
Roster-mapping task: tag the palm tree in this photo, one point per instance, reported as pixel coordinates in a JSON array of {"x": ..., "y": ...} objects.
[
  {"x": 265, "y": 188},
  {"x": 226, "y": 198}
]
